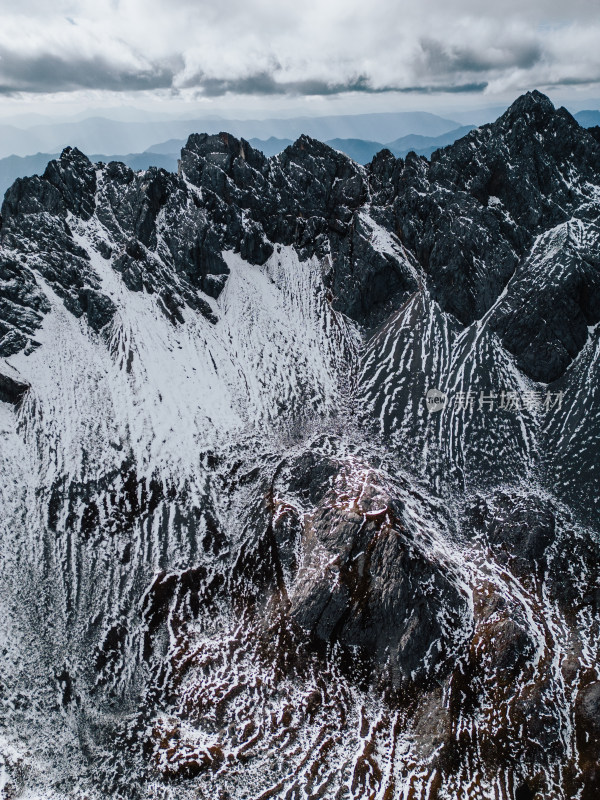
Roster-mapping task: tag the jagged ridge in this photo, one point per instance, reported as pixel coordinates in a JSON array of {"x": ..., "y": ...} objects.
[{"x": 233, "y": 529}]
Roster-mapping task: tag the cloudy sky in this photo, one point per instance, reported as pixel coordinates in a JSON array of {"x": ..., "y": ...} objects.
[{"x": 322, "y": 56}]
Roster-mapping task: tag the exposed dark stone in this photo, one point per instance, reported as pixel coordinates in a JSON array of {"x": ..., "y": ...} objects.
[
  {"x": 523, "y": 792},
  {"x": 74, "y": 176},
  {"x": 99, "y": 308},
  {"x": 511, "y": 648},
  {"x": 310, "y": 476},
  {"x": 470, "y": 217},
  {"x": 12, "y": 341},
  {"x": 364, "y": 583},
  {"x": 171, "y": 307},
  {"x": 104, "y": 249},
  {"x": 65, "y": 684},
  {"x": 523, "y": 531},
  {"x": 523, "y": 526},
  {"x": 111, "y": 646},
  {"x": 12, "y": 390},
  {"x": 588, "y": 707},
  {"x": 254, "y": 247}
]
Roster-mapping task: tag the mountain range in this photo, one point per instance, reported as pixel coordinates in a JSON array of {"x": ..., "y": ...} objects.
[
  {"x": 360, "y": 150},
  {"x": 299, "y": 471},
  {"x": 102, "y": 135},
  {"x": 420, "y": 132},
  {"x": 166, "y": 154}
]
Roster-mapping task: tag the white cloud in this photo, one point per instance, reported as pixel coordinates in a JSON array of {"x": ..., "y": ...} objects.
[{"x": 261, "y": 47}]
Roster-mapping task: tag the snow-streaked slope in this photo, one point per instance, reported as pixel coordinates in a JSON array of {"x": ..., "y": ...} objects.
[
  {"x": 165, "y": 392},
  {"x": 471, "y": 439}
]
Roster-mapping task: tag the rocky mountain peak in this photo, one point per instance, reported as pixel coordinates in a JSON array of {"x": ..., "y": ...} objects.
[
  {"x": 220, "y": 150},
  {"x": 533, "y": 103}
]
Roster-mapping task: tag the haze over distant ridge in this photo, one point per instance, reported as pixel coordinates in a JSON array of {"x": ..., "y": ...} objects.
[
  {"x": 102, "y": 135},
  {"x": 166, "y": 153}
]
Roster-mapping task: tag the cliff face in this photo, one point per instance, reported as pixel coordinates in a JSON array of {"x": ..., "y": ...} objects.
[{"x": 244, "y": 553}]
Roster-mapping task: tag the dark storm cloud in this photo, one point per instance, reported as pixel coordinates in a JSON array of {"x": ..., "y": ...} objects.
[
  {"x": 263, "y": 83},
  {"x": 447, "y": 88},
  {"x": 566, "y": 81},
  {"x": 51, "y": 73},
  {"x": 441, "y": 58}
]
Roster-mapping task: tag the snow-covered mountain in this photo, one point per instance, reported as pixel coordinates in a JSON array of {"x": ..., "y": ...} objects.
[{"x": 299, "y": 472}]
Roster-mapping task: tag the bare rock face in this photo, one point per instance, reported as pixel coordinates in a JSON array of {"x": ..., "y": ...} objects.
[
  {"x": 589, "y": 707},
  {"x": 369, "y": 582},
  {"x": 11, "y": 389},
  {"x": 242, "y": 555},
  {"x": 587, "y": 712}
]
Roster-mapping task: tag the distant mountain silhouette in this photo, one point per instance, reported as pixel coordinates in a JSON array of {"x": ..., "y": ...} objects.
[{"x": 588, "y": 119}]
